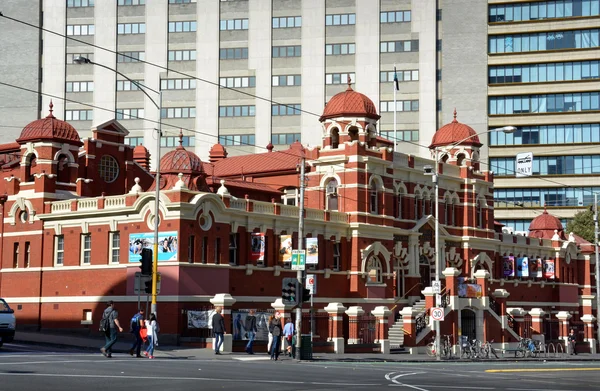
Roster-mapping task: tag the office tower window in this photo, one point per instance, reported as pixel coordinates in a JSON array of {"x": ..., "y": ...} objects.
[
  {"x": 399, "y": 46},
  {"x": 233, "y": 24},
  {"x": 122, "y": 114},
  {"x": 181, "y": 1},
  {"x": 182, "y": 27},
  {"x": 340, "y": 49},
  {"x": 439, "y": 15},
  {"x": 550, "y": 165},
  {"x": 559, "y": 133},
  {"x": 401, "y": 105},
  {"x": 183, "y": 55},
  {"x": 394, "y": 16},
  {"x": 287, "y": 22},
  {"x": 131, "y": 2},
  {"x": 79, "y": 86},
  {"x": 178, "y": 84},
  {"x": 287, "y": 51},
  {"x": 286, "y": 80},
  {"x": 340, "y": 19},
  {"x": 233, "y": 54},
  {"x": 79, "y": 115},
  {"x": 409, "y": 75},
  {"x": 72, "y": 56},
  {"x": 285, "y": 138},
  {"x": 131, "y": 56},
  {"x": 539, "y": 42},
  {"x": 173, "y": 141},
  {"x": 535, "y": 73},
  {"x": 237, "y": 139},
  {"x": 134, "y": 141},
  {"x": 237, "y": 111},
  {"x": 291, "y": 109},
  {"x": 439, "y": 75},
  {"x": 79, "y": 3},
  {"x": 403, "y": 135},
  {"x": 438, "y": 104},
  {"x": 339, "y": 78},
  {"x": 543, "y": 10},
  {"x": 178, "y": 112},
  {"x": 439, "y": 45},
  {"x": 535, "y": 197},
  {"x": 80, "y": 29},
  {"x": 126, "y": 85},
  {"x": 238, "y": 82},
  {"x": 545, "y": 103},
  {"x": 131, "y": 28}
]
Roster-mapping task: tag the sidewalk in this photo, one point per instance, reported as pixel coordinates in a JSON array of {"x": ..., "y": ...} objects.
[{"x": 178, "y": 352}]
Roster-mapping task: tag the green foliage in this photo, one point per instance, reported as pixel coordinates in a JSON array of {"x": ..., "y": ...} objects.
[{"x": 582, "y": 224}]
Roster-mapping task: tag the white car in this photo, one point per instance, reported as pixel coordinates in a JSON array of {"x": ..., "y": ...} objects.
[{"x": 8, "y": 322}]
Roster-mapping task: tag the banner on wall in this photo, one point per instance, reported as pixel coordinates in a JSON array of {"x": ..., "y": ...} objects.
[
  {"x": 257, "y": 246},
  {"x": 312, "y": 251},
  {"x": 509, "y": 266},
  {"x": 535, "y": 268},
  {"x": 285, "y": 248},
  {"x": 472, "y": 291},
  {"x": 523, "y": 267},
  {"x": 549, "y": 268},
  {"x": 262, "y": 325},
  {"x": 167, "y": 245},
  {"x": 200, "y": 319}
]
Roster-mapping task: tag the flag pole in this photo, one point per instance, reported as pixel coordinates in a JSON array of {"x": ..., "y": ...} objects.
[{"x": 394, "y": 84}]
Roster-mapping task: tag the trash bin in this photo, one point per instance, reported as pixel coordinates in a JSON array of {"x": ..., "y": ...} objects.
[{"x": 306, "y": 348}]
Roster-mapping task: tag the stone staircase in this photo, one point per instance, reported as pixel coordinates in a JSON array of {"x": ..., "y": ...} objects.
[{"x": 396, "y": 332}]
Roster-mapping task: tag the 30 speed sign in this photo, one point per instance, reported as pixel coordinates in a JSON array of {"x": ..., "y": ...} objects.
[{"x": 437, "y": 313}]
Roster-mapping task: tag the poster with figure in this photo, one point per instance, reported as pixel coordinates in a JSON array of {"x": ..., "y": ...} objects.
[
  {"x": 509, "y": 266},
  {"x": 523, "y": 267},
  {"x": 167, "y": 245},
  {"x": 262, "y": 325},
  {"x": 285, "y": 248},
  {"x": 549, "y": 269},
  {"x": 257, "y": 246},
  {"x": 535, "y": 268},
  {"x": 312, "y": 251},
  {"x": 200, "y": 319},
  {"x": 540, "y": 268}
]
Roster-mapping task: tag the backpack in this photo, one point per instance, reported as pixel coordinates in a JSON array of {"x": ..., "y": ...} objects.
[
  {"x": 135, "y": 322},
  {"x": 105, "y": 322}
]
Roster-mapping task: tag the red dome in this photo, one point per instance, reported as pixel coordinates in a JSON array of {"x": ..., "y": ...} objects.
[
  {"x": 49, "y": 128},
  {"x": 180, "y": 161},
  {"x": 140, "y": 152},
  {"x": 545, "y": 222},
  {"x": 453, "y": 133},
  {"x": 349, "y": 104}
]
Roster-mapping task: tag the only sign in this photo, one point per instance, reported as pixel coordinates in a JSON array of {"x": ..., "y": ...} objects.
[{"x": 437, "y": 313}]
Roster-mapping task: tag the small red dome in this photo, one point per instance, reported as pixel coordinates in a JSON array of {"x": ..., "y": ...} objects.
[
  {"x": 453, "y": 133},
  {"x": 349, "y": 104},
  {"x": 140, "y": 152},
  {"x": 545, "y": 222},
  {"x": 180, "y": 161},
  {"x": 49, "y": 128}
]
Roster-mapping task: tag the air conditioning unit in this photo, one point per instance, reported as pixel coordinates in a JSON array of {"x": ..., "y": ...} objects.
[
  {"x": 522, "y": 233},
  {"x": 507, "y": 230}
]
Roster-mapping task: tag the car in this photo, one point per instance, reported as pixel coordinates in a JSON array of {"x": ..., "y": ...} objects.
[{"x": 8, "y": 323}]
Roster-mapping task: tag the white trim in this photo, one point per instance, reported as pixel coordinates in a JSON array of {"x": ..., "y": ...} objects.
[
  {"x": 534, "y": 304},
  {"x": 23, "y": 233}
]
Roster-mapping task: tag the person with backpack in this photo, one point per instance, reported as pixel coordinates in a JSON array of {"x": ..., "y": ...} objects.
[
  {"x": 109, "y": 325},
  {"x": 137, "y": 323},
  {"x": 152, "y": 327},
  {"x": 251, "y": 329}
]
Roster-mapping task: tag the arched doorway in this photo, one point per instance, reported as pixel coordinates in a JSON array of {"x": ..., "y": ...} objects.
[
  {"x": 468, "y": 324},
  {"x": 425, "y": 271}
]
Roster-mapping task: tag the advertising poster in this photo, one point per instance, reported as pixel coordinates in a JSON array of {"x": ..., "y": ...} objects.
[
  {"x": 167, "y": 245},
  {"x": 549, "y": 268},
  {"x": 535, "y": 268},
  {"x": 509, "y": 266},
  {"x": 472, "y": 291},
  {"x": 523, "y": 267},
  {"x": 262, "y": 325},
  {"x": 200, "y": 319},
  {"x": 257, "y": 247},
  {"x": 540, "y": 268},
  {"x": 285, "y": 248},
  {"x": 312, "y": 251}
]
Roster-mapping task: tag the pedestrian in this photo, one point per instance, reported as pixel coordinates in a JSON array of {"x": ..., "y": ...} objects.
[
  {"x": 218, "y": 326},
  {"x": 573, "y": 342},
  {"x": 288, "y": 334},
  {"x": 152, "y": 327},
  {"x": 137, "y": 323},
  {"x": 110, "y": 333},
  {"x": 250, "y": 326},
  {"x": 276, "y": 330}
]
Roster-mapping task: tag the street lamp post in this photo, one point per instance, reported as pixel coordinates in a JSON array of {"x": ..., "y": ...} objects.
[
  {"x": 438, "y": 253},
  {"x": 143, "y": 88}
]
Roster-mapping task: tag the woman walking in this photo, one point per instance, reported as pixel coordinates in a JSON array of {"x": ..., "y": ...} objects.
[
  {"x": 275, "y": 328},
  {"x": 152, "y": 327}
]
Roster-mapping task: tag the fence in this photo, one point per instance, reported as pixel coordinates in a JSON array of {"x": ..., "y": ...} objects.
[
  {"x": 366, "y": 329},
  {"x": 198, "y": 319},
  {"x": 320, "y": 326}
]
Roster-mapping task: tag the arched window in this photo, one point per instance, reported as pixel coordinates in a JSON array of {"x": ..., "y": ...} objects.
[
  {"x": 416, "y": 204},
  {"x": 331, "y": 194},
  {"x": 335, "y": 138},
  {"x": 423, "y": 204},
  {"x": 30, "y": 165},
  {"x": 373, "y": 269},
  {"x": 62, "y": 169},
  {"x": 353, "y": 133},
  {"x": 452, "y": 213},
  {"x": 373, "y": 196},
  {"x": 460, "y": 159},
  {"x": 399, "y": 204},
  {"x": 446, "y": 206},
  {"x": 479, "y": 207}
]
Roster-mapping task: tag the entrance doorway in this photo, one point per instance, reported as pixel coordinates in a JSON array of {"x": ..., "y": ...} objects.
[
  {"x": 468, "y": 324},
  {"x": 425, "y": 272}
]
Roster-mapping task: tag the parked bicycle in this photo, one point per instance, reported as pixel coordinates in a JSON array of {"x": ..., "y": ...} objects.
[
  {"x": 445, "y": 350},
  {"x": 487, "y": 350},
  {"x": 471, "y": 348},
  {"x": 528, "y": 348}
]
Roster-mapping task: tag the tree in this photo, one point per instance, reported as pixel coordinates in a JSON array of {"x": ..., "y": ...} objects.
[{"x": 582, "y": 225}]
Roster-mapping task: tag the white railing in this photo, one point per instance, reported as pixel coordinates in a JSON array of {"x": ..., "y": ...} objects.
[
  {"x": 338, "y": 217},
  {"x": 315, "y": 214},
  {"x": 289, "y": 210},
  {"x": 61, "y": 206},
  {"x": 264, "y": 207},
  {"x": 114, "y": 202},
  {"x": 91, "y": 203},
  {"x": 239, "y": 203}
]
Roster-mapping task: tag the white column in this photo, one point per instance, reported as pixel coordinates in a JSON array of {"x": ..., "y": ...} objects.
[
  {"x": 53, "y": 60},
  {"x": 367, "y": 44},
  {"x": 105, "y": 95}
]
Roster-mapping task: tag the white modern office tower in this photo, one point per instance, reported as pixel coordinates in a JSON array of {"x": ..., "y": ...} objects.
[{"x": 531, "y": 64}]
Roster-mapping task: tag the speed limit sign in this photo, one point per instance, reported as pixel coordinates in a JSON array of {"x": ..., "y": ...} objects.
[{"x": 437, "y": 313}]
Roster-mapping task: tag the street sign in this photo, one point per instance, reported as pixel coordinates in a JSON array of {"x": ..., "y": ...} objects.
[
  {"x": 437, "y": 286},
  {"x": 437, "y": 313},
  {"x": 311, "y": 283},
  {"x": 298, "y": 260},
  {"x": 140, "y": 283},
  {"x": 524, "y": 164}
]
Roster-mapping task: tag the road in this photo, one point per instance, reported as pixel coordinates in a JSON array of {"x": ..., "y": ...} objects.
[{"x": 27, "y": 367}]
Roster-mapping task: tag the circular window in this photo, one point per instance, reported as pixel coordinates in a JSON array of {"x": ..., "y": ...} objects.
[
  {"x": 24, "y": 216},
  {"x": 108, "y": 168}
]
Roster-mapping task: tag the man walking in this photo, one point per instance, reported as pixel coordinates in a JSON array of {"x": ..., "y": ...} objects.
[
  {"x": 137, "y": 323},
  {"x": 573, "y": 342},
  {"x": 250, "y": 327},
  {"x": 110, "y": 334},
  {"x": 218, "y": 326}
]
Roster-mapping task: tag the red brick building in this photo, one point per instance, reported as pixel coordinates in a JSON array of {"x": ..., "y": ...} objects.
[{"x": 76, "y": 212}]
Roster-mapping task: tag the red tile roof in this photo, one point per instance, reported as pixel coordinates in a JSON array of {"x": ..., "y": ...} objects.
[
  {"x": 453, "y": 133},
  {"x": 49, "y": 128},
  {"x": 350, "y": 103}
]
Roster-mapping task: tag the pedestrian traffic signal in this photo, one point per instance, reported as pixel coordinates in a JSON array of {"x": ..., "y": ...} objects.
[
  {"x": 305, "y": 295},
  {"x": 148, "y": 287},
  {"x": 290, "y": 288},
  {"x": 146, "y": 260}
]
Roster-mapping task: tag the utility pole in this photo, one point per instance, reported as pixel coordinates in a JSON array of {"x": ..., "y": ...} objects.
[
  {"x": 300, "y": 273},
  {"x": 597, "y": 271},
  {"x": 438, "y": 253}
]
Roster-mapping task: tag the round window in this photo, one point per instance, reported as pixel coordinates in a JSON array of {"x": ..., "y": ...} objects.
[
  {"x": 108, "y": 168},
  {"x": 24, "y": 216}
]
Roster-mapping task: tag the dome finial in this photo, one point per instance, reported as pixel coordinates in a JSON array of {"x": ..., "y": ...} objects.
[
  {"x": 180, "y": 139},
  {"x": 349, "y": 83},
  {"x": 454, "y": 120},
  {"x": 51, "y": 105}
]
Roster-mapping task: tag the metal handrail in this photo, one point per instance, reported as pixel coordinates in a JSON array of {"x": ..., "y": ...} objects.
[{"x": 402, "y": 297}]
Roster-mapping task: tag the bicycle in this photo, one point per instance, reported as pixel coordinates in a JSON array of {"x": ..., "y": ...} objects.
[
  {"x": 487, "y": 349},
  {"x": 445, "y": 350},
  {"x": 528, "y": 347}
]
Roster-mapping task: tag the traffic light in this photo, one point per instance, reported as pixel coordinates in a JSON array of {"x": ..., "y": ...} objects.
[
  {"x": 148, "y": 287},
  {"x": 305, "y": 295},
  {"x": 146, "y": 260},
  {"x": 290, "y": 288}
]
